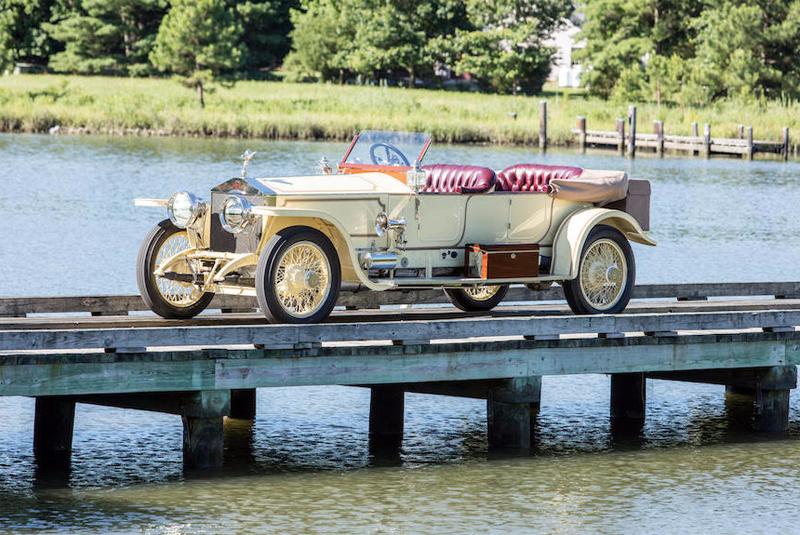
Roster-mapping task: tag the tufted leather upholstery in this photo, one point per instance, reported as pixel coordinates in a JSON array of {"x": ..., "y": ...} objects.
[
  {"x": 444, "y": 178},
  {"x": 533, "y": 177}
]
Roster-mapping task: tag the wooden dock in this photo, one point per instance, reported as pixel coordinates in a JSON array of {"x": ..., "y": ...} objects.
[
  {"x": 208, "y": 368},
  {"x": 698, "y": 143}
]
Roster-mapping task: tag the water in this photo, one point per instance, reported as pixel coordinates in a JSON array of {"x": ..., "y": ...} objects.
[{"x": 304, "y": 466}]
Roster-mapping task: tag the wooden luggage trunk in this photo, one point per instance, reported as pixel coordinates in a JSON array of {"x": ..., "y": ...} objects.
[{"x": 508, "y": 261}]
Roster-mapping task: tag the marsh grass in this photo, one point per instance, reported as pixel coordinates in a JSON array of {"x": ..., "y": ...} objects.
[{"x": 279, "y": 110}]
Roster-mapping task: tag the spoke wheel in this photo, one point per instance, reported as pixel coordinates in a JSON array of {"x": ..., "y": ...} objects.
[
  {"x": 166, "y": 297},
  {"x": 298, "y": 276},
  {"x": 605, "y": 275},
  {"x": 476, "y": 298}
]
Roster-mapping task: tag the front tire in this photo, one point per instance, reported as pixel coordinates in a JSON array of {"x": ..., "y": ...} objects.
[
  {"x": 169, "y": 299},
  {"x": 606, "y": 274},
  {"x": 476, "y": 298},
  {"x": 298, "y": 276}
]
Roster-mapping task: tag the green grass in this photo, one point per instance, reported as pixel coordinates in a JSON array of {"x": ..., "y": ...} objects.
[{"x": 277, "y": 110}]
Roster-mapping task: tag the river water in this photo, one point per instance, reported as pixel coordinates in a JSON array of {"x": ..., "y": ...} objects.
[{"x": 68, "y": 226}]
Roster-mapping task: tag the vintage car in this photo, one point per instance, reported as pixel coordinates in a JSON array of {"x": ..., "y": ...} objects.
[{"x": 384, "y": 223}]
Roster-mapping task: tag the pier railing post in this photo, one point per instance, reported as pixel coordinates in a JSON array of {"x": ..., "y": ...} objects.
[
  {"x": 785, "y": 148},
  {"x": 202, "y": 414},
  {"x": 658, "y": 130},
  {"x": 632, "y": 131},
  {"x": 386, "y": 415},
  {"x": 543, "y": 125},
  {"x": 582, "y": 133},
  {"x": 621, "y": 136},
  {"x": 510, "y": 409},
  {"x": 628, "y": 399},
  {"x": 53, "y": 425},
  {"x": 749, "y": 139},
  {"x": 707, "y": 140}
]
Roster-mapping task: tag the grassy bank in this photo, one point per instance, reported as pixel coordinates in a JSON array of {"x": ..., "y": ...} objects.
[{"x": 276, "y": 110}]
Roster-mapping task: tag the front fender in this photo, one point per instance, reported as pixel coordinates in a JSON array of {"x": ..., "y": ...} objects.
[
  {"x": 278, "y": 211},
  {"x": 572, "y": 234}
]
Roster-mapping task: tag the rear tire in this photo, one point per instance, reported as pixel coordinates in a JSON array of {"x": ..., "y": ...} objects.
[
  {"x": 476, "y": 298},
  {"x": 606, "y": 274},
  {"x": 298, "y": 276},
  {"x": 167, "y": 298}
]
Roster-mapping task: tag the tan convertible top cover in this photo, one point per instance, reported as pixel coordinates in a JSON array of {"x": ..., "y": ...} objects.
[{"x": 598, "y": 187}]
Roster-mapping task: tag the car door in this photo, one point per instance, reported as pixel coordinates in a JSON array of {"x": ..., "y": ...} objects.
[{"x": 529, "y": 218}]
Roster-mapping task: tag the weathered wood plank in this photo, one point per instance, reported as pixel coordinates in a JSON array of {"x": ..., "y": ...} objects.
[
  {"x": 283, "y": 335},
  {"x": 19, "y": 306},
  {"x": 83, "y": 374}
]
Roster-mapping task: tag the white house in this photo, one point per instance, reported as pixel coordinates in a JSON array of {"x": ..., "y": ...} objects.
[{"x": 566, "y": 71}]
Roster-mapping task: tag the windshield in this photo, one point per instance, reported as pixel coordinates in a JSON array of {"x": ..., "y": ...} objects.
[{"x": 388, "y": 148}]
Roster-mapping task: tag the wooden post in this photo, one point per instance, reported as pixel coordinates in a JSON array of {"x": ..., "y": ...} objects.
[
  {"x": 53, "y": 424},
  {"x": 632, "y": 129},
  {"x": 785, "y": 149},
  {"x": 740, "y": 129},
  {"x": 621, "y": 136},
  {"x": 202, "y": 414},
  {"x": 749, "y": 138},
  {"x": 658, "y": 130},
  {"x": 628, "y": 398},
  {"x": 695, "y": 134},
  {"x": 707, "y": 140},
  {"x": 543, "y": 125},
  {"x": 243, "y": 404},
  {"x": 510, "y": 409},
  {"x": 772, "y": 411},
  {"x": 386, "y": 412},
  {"x": 582, "y": 133}
]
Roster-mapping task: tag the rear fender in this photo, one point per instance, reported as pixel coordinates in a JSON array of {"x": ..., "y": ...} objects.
[{"x": 573, "y": 232}]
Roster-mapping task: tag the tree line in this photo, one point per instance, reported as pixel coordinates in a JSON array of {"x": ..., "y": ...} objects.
[
  {"x": 692, "y": 52},
  {"x": 670, "y": 51}
]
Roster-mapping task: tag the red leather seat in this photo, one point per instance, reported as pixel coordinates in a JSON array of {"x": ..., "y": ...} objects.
[
  {"x": 533, "y": 177},
  {"x": 445, "y": 178}
]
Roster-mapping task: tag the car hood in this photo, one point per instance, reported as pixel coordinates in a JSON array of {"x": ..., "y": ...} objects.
[{"x": 350, "y": 184}]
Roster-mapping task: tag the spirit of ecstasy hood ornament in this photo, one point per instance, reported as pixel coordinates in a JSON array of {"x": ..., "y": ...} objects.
[{"x": 248, "y": 154}]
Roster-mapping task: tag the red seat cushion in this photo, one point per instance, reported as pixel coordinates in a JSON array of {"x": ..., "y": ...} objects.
[
  {"x": 533, "y": 177},
  {"x": 444, "y": 178}
]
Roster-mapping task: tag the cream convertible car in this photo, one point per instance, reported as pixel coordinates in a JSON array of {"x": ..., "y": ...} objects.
[{"x": 384, "y": 223}]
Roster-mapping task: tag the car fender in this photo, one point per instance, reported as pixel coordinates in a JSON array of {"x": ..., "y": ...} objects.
[
  {"x": 303, "y": 213},
  {"x": 574, "y": 230}
]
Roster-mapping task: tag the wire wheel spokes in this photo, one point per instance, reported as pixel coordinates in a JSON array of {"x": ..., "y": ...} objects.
[
  {"x": 603, "y": 275},
  {"x": 302, "y": 279},
  {"x": 177, "y": 293},
  {"x": 481, "y": 293}
]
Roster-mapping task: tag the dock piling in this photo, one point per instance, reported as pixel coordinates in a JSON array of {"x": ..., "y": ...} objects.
[
  {"x": 632, "y": 134},
  {"x": 386, "y": 414},
  {"x": 510, "y": 408},
  {"x": 740, "y": 131},
  {"x": 243, "y": 404},
  {"x": 582, "y": 133},
  {"x": 621, "y": 136},
  {"x": 628, "y": 398},
  {"x": 202, "y": 414},
  {"x": 543, "y": 125},
  {"x": 785, "y": 149},
  {"x": 749, "y": 138},
  {"x": 658, "y": 130},
  {"x": 53, "y": 424},
  {"x": 707, "y": 140}
]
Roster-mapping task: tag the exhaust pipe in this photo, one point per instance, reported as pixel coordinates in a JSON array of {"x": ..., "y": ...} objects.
[{"x": 378, "y": 260}]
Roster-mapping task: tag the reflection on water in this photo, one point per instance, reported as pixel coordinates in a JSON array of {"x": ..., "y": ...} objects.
[{"x": 305, "y": 464}]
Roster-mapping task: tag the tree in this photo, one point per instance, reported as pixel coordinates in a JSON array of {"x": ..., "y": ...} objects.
[
  {"x": 23, "y": 37},
  {"x": 621, "y": 34},
  {"x": 198, "y": 40},
  {"x": 505, "y": 46},
  {"x": 107, "y": 36},
  {"x": 266, "y": 25}
]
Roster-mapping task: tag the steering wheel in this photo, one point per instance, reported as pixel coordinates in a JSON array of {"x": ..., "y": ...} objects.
[{"x": 393, "y": 155}]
